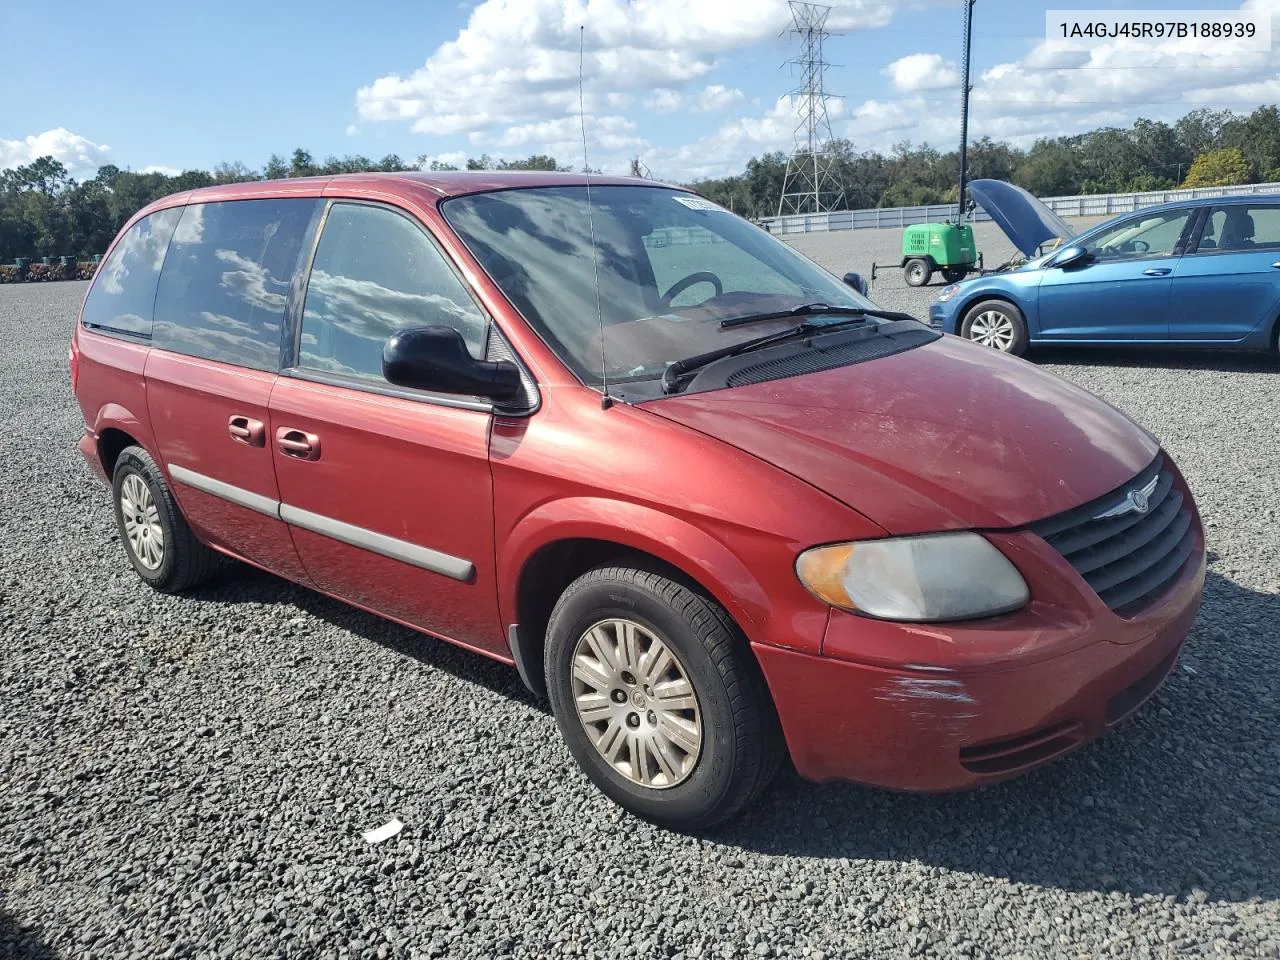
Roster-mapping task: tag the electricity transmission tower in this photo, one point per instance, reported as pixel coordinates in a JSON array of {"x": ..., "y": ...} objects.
[{"x": 809, "y": 186}]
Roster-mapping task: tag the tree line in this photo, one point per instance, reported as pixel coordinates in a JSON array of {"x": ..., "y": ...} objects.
[
  {"x": 1204, "y": 148},
  {"x": 45, "y": 212}
]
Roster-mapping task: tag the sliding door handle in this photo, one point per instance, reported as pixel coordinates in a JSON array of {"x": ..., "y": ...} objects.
[
  {"x": 1157, "y": 272},
  {"x": 246, "y": 430},
  {"x": 298, "y": 444}
]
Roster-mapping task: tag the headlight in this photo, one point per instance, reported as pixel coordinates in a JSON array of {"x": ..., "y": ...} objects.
[
  {"x": 947, "y": 292},
  {"x": 941, "y": 576}
]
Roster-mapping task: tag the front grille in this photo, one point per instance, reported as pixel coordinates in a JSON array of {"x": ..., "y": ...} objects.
[
  {"x": 1014, "y": 753},
  {"x": 1131, "y": 558}
]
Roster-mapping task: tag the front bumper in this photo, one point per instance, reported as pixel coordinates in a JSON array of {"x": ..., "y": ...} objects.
[
  {"x": 938, "y": 316},
  {"x": 982, "y": 701}
]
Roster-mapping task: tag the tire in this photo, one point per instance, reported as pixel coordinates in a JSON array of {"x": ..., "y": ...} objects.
[
  {"x": 734, "y": 726},
  {"x": 162, "y": 548},
  {"x": 917, "y": 272},
  {"x": 997, "y": 324},
  {"x": 954, "y": 274}
]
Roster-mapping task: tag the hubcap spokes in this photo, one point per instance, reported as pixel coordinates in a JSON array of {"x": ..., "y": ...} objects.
[
  {"x": 142, "y": 522},
  {"x": 636, "y": 704},
  {"x": 992, "y": 329}
]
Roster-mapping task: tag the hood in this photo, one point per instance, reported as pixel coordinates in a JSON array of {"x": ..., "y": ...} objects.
[
  {"x": 1025, "y": 220},
  {"x": 946, "y": 436}
]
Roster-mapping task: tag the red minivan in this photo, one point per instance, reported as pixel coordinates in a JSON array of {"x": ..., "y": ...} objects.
[{"x": 706, "y": 498}]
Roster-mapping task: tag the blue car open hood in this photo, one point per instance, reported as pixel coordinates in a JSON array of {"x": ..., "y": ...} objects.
[{"x": 1024, "y": 219}]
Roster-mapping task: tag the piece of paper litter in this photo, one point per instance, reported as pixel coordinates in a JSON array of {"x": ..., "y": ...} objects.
[{"x": 384, "y": 832}]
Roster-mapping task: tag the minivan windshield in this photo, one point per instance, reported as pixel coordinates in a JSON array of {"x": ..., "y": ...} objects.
[{"x": 671, "y": 269}]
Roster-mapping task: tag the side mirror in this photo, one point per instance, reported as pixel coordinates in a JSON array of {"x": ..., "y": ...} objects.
[
  {"x": 436, "y": 358},
  {"x": 856, "y": 281},
  {"x": 1070, "y": 257}
]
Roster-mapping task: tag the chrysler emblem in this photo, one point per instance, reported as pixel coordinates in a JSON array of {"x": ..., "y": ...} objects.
[{"x": 1137, "y": 500}]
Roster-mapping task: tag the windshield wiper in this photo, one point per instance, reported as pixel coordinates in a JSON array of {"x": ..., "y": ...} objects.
[
  {"x": 810, "y": 309},
  {"x": 671, "y": 375}
]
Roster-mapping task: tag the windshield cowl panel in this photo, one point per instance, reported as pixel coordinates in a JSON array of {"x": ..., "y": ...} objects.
[{"x": 640, "y": 278}]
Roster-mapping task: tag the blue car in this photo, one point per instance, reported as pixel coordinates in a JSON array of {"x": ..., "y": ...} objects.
[{"x": 1202, "y": 273}]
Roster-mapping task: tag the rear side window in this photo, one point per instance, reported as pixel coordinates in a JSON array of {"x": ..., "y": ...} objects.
[
  {"x": 376, "y": 272},
  {"x": 125, "y": 289},
  {"x": 226, "y": 279},
  {"x": 1239, "y": 228}
]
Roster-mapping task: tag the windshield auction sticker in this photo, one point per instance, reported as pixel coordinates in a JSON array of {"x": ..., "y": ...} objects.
[{"x": 1210, "y": 31}]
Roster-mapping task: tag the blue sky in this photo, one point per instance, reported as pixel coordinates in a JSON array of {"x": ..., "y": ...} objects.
[{"x": 691, "y": 86}]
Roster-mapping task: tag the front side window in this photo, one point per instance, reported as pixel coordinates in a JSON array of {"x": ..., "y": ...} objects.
[
  {"x": 376, "y": 272},
  {"x": 1239, "y": 228},
  {"x": 124, "y": 289},
  {"x": 1154, "y": 235},
  {"x": 226, "y": 279},
  {"x": 637, "y": 278}
]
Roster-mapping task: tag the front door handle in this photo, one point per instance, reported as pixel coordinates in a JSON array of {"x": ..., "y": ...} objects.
[
  {"x": 246, "y": 430},
  {"x": 1157, "y": 272},
  {"x": 1276, "y": 264},
  {"x": 298, "y": 444}
]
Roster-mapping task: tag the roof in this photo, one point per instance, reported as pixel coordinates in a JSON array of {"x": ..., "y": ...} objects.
[
  {"x": 442, "y": 183},
  {"x": 1258, "y": 198}
]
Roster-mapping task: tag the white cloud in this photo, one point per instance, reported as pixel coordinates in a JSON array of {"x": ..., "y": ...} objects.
[
  {"x": 719, "y": 97},
  {"x": 516, "y": 64},
  {"x": 922, "y": 71},
  {"x": 352, "y": 130},
  {"x": 664, "y": 101},
  {"x": 79, "y": 155},
  {"x": 1052, "y": 92},
  {"x": 452, "y": 158},
  {"x": 161, "y": 168}
]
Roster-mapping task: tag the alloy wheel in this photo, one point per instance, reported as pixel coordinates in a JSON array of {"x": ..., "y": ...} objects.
[
  {"x": 636, "y": 703},
  {"x": 992, "y": 328},
  {"x": 142, "y": 522}
]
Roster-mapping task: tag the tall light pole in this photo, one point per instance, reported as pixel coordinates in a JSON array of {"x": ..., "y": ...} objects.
[{"x": 964, "y": 106}]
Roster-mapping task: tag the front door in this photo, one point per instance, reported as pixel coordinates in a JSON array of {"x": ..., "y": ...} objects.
[
  {"x": 1121, "y": 292},
  {"x": 387, "y": 491},
  {"x": 1230, "y": 285},
  {"x": 219, "y": 310}
]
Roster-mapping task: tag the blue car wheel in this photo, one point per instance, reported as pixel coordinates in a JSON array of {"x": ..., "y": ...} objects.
[{"x": 997, "y": 324}]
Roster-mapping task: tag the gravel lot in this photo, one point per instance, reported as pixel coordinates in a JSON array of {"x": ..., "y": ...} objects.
[{"x": 190, "y": 776}]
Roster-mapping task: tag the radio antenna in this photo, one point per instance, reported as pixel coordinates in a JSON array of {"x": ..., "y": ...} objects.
[{"x": 606, "y": 401}]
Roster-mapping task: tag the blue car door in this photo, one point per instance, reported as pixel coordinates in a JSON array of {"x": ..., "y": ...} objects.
[
  {"x": 1121, "y": 290},
  {"x": 1229, "y": 287}
]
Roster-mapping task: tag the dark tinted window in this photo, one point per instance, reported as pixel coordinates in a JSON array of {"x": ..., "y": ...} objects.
[
  {"x": 376, "y": 272},
  {"x": 125, "y": 289},
  {"x": 226, "y": 279}
]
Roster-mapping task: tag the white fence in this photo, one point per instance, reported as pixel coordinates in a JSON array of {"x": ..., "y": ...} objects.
[{"x": 1091, "y": 205}]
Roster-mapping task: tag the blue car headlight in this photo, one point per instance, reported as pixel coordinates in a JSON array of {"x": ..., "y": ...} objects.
[{"x": 947, "y": 292}]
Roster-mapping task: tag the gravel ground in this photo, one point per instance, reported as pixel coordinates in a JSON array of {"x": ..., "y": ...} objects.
[{"x": 190, "y": 776}]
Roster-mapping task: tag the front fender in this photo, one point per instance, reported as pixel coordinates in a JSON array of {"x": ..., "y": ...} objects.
[{"x": 784, "y": 616}]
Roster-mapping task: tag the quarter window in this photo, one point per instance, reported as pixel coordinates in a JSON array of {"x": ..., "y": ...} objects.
[
  {"x": 376, "y": 272},
  {"x": 226, "y": 279},
  {"x": 1239, "y": 228},
  {"x": 1153, "y": 235},
  {"x": 124, "y": 291}
]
